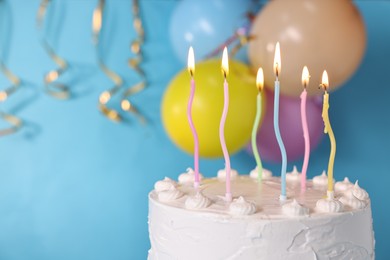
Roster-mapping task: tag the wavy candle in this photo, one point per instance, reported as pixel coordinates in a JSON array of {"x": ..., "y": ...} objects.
[
  {"x": 260, "y": 85},
  {"x": 191, "y": 70},
  {"x": 277, "y": 67},
  {"x": 328, "y": 130},
  {"x": 305, "y": 83},
  {"x": 225, "y": 72}
]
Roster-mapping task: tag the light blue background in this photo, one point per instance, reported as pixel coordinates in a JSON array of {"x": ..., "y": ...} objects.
[{"x": 74, "y": 185}]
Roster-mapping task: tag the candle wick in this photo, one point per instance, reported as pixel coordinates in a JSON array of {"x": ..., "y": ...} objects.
[{"x": 324, "y": 87}]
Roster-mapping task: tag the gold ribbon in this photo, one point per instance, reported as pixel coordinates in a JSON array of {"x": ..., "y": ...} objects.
[
  {"x": 105, "y": 96},
  {"x": 14, "y": 121},
  {"x": 52, "y": 86},
  {"x": 135, "y": 62}
]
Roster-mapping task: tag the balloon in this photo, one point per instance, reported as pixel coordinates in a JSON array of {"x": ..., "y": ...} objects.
[
  {"x": 207, "y": 108},
  {"x": 290, "y": 128},
  {"x": 319, "y": 34},
  {"x": 205, "y": 25}
]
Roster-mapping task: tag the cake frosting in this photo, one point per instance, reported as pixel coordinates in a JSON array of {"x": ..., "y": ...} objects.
[
  {"x": 222, "y": 174},
  {"x": 344, "y": 185},
  {"x": 295, "y": 209},
  {"x": 170, "y": 194},
  {"x": 188, "y": 223},
  {"x": 165, "y": 184},
  {"x": 293, "y": 176},
  {"x": 266, "y": 174},
  {"x": 188, "y": 178},
  {"x": 242, "y": 207},
  {"x": 197, "y": 201},
  {"x": 359, "y": 193}
]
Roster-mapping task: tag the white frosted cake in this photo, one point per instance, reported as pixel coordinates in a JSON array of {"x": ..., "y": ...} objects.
[{"x": 186, "y": 223}]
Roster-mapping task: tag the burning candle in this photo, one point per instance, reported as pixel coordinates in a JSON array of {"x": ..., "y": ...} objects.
[
  {"x": 305, "y": 83},
  {"x": 260, "y": 85},
  {"x": 191, "y": 70},
  {"x": 225, "y": 72},
  {"x": 328, "y": 130},
  {"x": 277, "y": 68}
]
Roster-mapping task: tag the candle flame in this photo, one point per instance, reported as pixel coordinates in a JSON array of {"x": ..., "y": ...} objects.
[
  {"x": 277, "y": 60},
  {"x": 305, "y": 77},
  {"x": 225, "y": 63},
  {"x": 325, "y": 80},
  {"x": 191, "y": 61},
  {"x": 260, "y": 79}
]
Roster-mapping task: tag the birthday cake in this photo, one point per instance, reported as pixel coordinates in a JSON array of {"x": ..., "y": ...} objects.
[{"x": 189, "y": 223}]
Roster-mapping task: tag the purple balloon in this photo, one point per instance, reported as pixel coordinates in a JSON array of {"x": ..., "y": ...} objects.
[{"x": 290, "y": 127}]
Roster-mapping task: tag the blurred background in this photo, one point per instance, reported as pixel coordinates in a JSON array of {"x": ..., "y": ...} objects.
[{"x": 82, "y": 141}]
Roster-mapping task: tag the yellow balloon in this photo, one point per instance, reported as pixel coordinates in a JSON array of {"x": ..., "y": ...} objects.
[
  {"x": 208, "y": 105},
  {"x": 322, "y": 34}
]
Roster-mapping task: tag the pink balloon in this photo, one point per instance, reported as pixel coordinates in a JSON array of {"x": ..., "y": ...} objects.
[{"x": 290, "y": 127}]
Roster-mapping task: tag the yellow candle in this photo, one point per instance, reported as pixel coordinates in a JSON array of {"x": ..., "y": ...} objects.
[{"x": 328, "y": 130}]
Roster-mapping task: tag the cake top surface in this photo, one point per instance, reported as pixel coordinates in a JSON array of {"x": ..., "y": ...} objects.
[{"x": 254, "y": 199}]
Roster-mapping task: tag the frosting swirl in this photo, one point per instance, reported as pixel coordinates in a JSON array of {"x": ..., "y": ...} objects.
[
  {"x": 169, "y": 195},
  {"x": 295, "y": 209},
  {"x": 350, "y": 200},
  {"x": 359, "y": 193},
  {"x": 321, "y": 180},
  {"x": 344, "y": 185},
  {"x": 188, "y": 177},
  {"x": 266, "y": 174},
  {"x": 293, "y": 176},
  {"x": 198, "y": 201},
  {"x": 329, "y": 205},
  {"x": 242, "y": 207},
  {"x": 222, "y": 174},
  {"x": 165, "y": 184}
]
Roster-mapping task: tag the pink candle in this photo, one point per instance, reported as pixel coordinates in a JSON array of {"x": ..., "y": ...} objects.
[
  {"x": 191, "y": 70},
  {"x": 305, "y": 83},
  {"x": 225, "y": 71}
]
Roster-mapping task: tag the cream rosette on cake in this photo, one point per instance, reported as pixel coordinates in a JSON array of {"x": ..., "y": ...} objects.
[
  {"x": 221, "y": 175},
  {"x": 321, "y": 181},
  {"x": 342, "y": 186},
  {"x": 294, "y": 176},
  {"x": 294, "y": 209},
  {"x": 188, "y": 178},
  {"x": 165, "y": 184},
  {"x": 266, "y": 174},
  {"x": 241, "y": 207},
  {"x": 198, "y": 201}
]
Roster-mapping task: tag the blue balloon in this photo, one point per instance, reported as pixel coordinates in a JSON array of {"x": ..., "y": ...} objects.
[{"x": 205, "y": 25}]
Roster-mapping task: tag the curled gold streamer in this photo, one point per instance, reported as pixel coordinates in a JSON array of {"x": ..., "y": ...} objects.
[
  {"x": 105, "y": 96},
  {"x": 243, "y": 41},
  {"x": 134, "y": 63},
  {"x": 55, "y": 89},
  {"x": 15, "y": 122}
]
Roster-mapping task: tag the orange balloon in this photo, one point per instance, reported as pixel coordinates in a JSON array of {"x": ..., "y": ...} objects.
[
  {"x": 321, "y": 34},
  {"x": 207, "y": 107}
]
